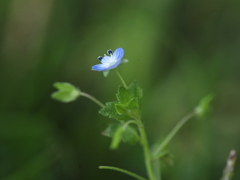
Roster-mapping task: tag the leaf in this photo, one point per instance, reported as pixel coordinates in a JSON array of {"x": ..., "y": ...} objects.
[
  {"x": 133, "y": 91},
  {"x": 110, "y": 111},
  {"x": 129, "y": 135},
  {"x": 167, "y": 157},
  {"x": 111, "y": 129},
  {"x": 136, "y": 90},
  {"x": 66, "y": 92},
  {"x": 124, "y": 95},
  {"x": 204, "y": 106},
  {"x": 133, "y": 108},
  {"x": 121, "y": 109},
  {"x": 117, "y": 137},
  {"x": 129, "y": 100}
]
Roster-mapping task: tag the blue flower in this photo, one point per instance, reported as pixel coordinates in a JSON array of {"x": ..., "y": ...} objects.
[{"x": 111, "y": 61}]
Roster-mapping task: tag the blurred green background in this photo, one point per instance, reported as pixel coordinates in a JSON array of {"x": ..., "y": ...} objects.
[{"x": 179, "y": 51}]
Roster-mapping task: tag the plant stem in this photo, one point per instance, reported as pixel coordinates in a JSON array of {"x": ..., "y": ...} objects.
[
  {"x": 123, "y": 171},
  {"x": 147, "y": 155},
  {"x": 119, "y": 75},
  {"x": 172, "y": 133},
  {"x": 131, "y": 122},
  {"x": 93, "y": 99}
]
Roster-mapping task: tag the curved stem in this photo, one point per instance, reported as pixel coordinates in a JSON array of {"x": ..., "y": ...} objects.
[
  {"x": 119, "y": 75},
  {"x": 131, "y": 122},
  {"x": 146, "y": 150},
  {"x": 122, "y": 171},
  {"x": 172, "y": 133},
  {"x": 93, "y": 99}
]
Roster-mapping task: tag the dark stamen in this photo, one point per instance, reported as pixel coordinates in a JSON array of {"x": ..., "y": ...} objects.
[
  {"x": 109, "y": 51},
  {"x": 100, "y": 58}
]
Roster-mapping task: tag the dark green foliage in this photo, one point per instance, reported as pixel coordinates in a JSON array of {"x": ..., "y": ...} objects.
[
  {"x": 128, "y": 105},
  {"x": 120, "y": 132},
  {"x": 110, "y": 111}
]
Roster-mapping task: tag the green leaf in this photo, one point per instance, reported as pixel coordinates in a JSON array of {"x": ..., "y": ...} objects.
[
  {"x": 133, "y": 108},
  {"x": 136, "y": 90},
  {"x": 66, "y": 92},
  {"x": 121, "y": 109},
  {"x": 110, "y": 111},
  {"x": 124, "y": 95},
  {"x": 133, "y": 105},
  {"x": 129, "y": 100},
  {"x": 117, "y": 137},
  {"x": 129, "y": 134},
  {"x": 111, "y": 129},
  {"x": 168, "y": 158},
  {"x": 204, "y": 106}
]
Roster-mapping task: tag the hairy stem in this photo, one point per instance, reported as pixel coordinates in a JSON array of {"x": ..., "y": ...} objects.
[
  {"x": 120, "y": 77},
  {"x": 93, "y": 99},
  {"x": 147, "y": 155},
  {"x": 122, "y": 171}
]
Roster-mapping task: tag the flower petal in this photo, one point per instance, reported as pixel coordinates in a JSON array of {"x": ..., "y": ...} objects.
[
  {"x": 106, "y": 60},
  {"x": 118, "y": 54},
  {"x": 99, "y": 67},
  {"x": 114, "y": 65}
]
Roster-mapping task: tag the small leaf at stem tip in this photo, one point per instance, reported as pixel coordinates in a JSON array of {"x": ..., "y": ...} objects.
[
  {"x": 66, "y": 92},
  {"x": 204, "y": 106}
]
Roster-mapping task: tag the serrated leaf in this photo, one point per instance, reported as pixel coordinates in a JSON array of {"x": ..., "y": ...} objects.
[
  {"x": 136, "y": 90},
  {"x": 66, "y": 92},
  {"x": 124, "y": 95},
  {"x": 129, "y": 135},
  {"x": 110, "y": 111},
  {"x": 133, "y": 91},
  {"x": 133, "y": 105},
  {"x": 133, "y": 108},
  {"x": 204, "y": 106},
  {"x": 121, "y": 109}
]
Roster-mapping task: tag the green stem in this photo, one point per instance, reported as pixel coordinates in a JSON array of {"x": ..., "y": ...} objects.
[
  {"x": 119, "y": 75},
  {"x": 147, "y": 155},
  {"x": 172, "y": 134},
  {"x": 131, "y": 122},
  {"x": 157, "y": 169},
  {"x": 123, "y": 171},
  {"x": 93, "y": 99}
]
